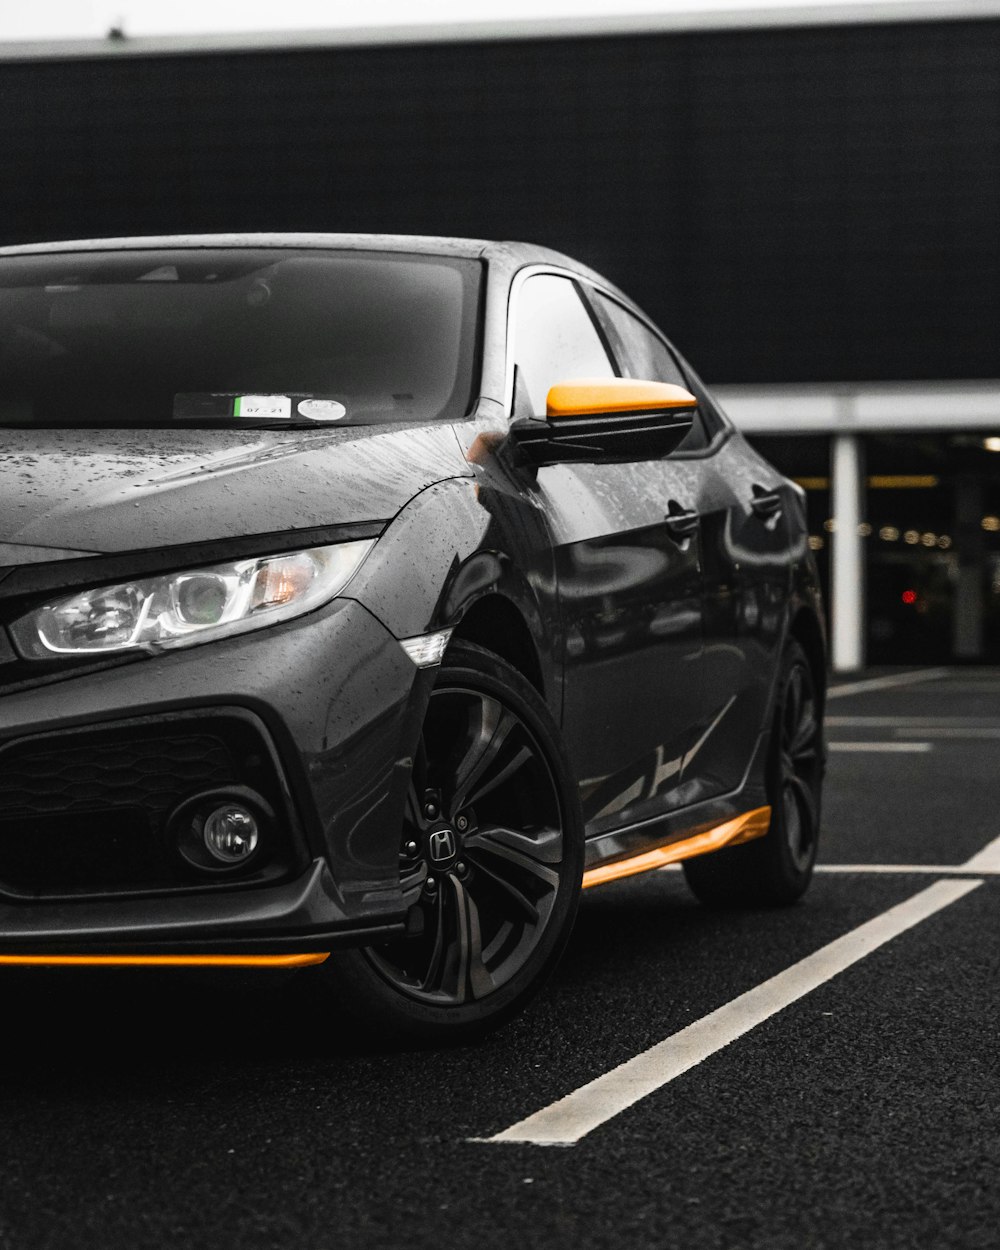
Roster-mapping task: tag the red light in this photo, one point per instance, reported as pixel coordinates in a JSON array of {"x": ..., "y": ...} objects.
[{"x": 909, "y": 596}]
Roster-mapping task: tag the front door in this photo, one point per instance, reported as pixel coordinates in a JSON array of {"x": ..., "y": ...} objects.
[{"x": 627, "y": 566}]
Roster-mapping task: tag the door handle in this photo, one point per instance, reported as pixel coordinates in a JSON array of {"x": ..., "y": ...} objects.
[
  {"x": 680, "y": 524},
  {"x": 765, "y": 503}
]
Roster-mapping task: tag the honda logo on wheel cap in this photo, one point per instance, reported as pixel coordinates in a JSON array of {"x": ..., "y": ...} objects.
[{"x": 441, "y": 845}]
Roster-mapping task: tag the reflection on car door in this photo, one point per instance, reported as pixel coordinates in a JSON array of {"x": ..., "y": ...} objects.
[
  {"x": 629, "y": 588},
  {"x": 746, "y": 508},
  {"x": 743, "y": 507}
]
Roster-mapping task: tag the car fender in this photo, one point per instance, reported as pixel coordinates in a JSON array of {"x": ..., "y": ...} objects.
[{"x": 446, "y": 549}]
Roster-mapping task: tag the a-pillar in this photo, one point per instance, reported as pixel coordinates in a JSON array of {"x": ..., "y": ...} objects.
[{"x": 847, "y": 581}]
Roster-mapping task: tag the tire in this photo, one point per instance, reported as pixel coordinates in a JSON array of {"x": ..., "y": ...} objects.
[
  {"x": 776, "y": 870},
  {"x": 491, "y": 861}
]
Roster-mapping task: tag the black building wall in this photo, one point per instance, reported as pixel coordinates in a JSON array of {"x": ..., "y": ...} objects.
[{"x": 807, "y": 204}]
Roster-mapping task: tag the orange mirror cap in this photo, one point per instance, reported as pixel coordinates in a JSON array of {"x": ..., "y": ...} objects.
[{"x": 584, "y": 396}]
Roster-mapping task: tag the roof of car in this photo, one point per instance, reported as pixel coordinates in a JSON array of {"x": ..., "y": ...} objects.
[
  {"x": 430, "y": 245},
  {"x": 507, "y": 256},
  {"x": 367, "y": 242}
]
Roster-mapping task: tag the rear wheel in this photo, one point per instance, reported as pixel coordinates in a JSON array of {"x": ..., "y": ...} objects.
[
  {"x": 491, "y": 858},
  {"x": 777, "y": 868}
]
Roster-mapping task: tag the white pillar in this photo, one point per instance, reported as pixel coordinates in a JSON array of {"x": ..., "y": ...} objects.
[
  {"x": 969, "y": 609},
  {"x": 847, "y": 581}
]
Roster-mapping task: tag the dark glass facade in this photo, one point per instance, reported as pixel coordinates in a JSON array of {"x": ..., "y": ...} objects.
[{"x": 812, "y": 204}]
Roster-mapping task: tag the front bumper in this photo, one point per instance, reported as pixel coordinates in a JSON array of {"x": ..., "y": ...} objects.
[
  {"x": 338, "y": 705},
  {"x": 298, "y": 916}
]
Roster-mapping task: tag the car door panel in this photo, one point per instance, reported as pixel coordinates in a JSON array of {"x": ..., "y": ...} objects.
[
  {"x": 746, "y": 577},
  {"x": 630, "y": 604},
  {"x": 629, "y": 591}
]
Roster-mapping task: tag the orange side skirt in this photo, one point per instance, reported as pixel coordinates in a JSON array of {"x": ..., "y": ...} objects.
[{"x": 742, "y": 828}]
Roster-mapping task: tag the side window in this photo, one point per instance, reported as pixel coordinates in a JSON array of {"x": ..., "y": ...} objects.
[
  {"x": 645, "y": 355},
  {"x": 713, "y": 416},
  {"x": 555, "y": 340},
  {"x": 640, "y": 352}
]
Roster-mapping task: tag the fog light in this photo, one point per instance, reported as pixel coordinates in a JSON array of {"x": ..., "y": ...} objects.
[{"x": 231, "y": 833}]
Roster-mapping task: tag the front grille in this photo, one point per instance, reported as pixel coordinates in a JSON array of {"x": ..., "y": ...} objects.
[
  {"x": 152, "y": 774},
  {"x": 86, "y": 812}
]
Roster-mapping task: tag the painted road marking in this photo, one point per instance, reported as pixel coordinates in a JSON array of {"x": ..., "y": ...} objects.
[
  {"x": 565, "y": 1122},
  {"x": 895, "y": 747},
  {"x": 961, "y": 735},
  {"x": 930, "y": 870},
  {"x": 886, "y": 683},
  {"x": 986, "y": 860},
  {"x": 912, "y": 722}
]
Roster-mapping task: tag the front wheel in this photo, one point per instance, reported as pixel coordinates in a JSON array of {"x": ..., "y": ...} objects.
[
  {"x": 491, "y": 859},
  {"x": 777, "y": 868}
]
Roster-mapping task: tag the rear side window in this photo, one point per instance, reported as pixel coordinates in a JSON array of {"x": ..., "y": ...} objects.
[
  {"x": 640, "y": 353},
  {"x": 644, "y": 355},
  {"x": 555, "y": 340}
]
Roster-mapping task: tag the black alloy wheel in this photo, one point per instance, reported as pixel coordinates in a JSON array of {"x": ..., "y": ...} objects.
[
  {"x": 777, "y": 869},
  {"x": 491, "y": 859},
  {"x": 799, "y": 767}
]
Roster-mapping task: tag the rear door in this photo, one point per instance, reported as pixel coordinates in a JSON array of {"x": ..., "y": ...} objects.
[
  {"x": 746, "y": 508},
  {"x": 629, "y": 586}
]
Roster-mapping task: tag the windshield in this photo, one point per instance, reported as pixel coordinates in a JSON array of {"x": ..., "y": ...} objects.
[{"x": 235, "y": 337}]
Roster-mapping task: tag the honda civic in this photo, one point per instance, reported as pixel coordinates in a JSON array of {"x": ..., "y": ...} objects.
[{"x": 363, "y": 599}]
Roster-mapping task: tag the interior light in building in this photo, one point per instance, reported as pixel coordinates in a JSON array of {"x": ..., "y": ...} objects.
[
  {"x": 991, "y": 524},
  {"x": 909, "y": 596},
  {"x": 912, "y": 537},
  {"x": 944, "y": 541},
  {"x": 992, "y": 443},
  {"x": 929, "y": 540},
  {"x": 880, "y": 481},
  {"x": 889, "y": 534},
  {"x": 830, "y": 525},
  {"x": 903, "y": 481},
  {"x": 816, "y": 542},
  {"x": 864, "y": 529}
]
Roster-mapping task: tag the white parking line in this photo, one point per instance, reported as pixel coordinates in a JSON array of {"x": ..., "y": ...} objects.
[
  {"x": 986, "y": 860},
  {"x": 565, "y": 1122},
  {"x": 886, "y": 683},
  {"x": 911, "y": 747},
  {"x": 965, "y": 735},
  {"x": 983, "y": 868},
  {"x": 929, "y": 870},
  {"x": 911, "y": 722}
]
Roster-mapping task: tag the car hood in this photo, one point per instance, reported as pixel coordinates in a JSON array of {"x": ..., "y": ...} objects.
[{"x": 77, "y": 492}]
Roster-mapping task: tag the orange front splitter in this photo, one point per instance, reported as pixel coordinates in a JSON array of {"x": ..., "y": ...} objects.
[{"x": 167, "y": 961}]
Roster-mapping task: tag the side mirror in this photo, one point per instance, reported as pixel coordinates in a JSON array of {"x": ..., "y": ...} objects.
[{"x": 606, "y": 420}]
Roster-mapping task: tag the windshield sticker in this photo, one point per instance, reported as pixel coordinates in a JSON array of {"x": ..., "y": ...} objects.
[
  {"x": 322, "y": 409},
  {"x": 266, "y": 407},
  {"x": 225, "y": 405}
]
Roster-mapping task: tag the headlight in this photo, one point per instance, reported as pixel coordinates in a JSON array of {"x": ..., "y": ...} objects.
[{"x": 178, "y": 609}]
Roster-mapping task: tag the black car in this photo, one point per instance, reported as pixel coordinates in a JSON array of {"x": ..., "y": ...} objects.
[{"x": 361, "y": 599}]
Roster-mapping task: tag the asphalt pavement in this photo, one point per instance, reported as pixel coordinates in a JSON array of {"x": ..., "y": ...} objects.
[{"x": 142, "y": 1110}]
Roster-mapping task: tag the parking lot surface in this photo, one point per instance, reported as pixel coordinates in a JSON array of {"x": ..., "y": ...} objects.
[{"x": 155, "y": 1109}]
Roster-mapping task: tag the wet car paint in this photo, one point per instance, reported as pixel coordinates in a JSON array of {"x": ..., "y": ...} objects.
[{"x": 121, "y": 490}]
